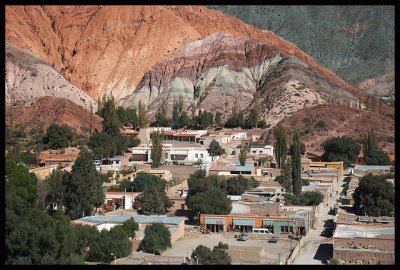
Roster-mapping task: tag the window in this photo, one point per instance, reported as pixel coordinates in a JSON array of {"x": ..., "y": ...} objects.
[
  {"x": 196, "y": 155},
  {"x": 201, "y": 155},
  {"x": 286, "y": 229},
  {"x": 254, "y": 151},
  {"x": 260, "y": 151},
  {"x": 117, "y": 162}
]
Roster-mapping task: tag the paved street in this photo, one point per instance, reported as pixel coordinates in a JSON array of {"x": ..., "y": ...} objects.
[{"x": 316, "y": 247}]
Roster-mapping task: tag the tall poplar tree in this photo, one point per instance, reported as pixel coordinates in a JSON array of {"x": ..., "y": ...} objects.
[
  {"x": 296, "y": 164},
  {"x": 280, "y": 146},
  {"x": 156, "y": 149},
  {"x": 142, "y": 115}
]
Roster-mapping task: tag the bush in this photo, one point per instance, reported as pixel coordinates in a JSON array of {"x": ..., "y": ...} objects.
[
  {"x": 144, "y": 180},
  {"x": 320, "y": 124},
  {"x": 218, "y": 256},
  {"x": 157, "y": 238},
  {"x": 262, "y": 124}
]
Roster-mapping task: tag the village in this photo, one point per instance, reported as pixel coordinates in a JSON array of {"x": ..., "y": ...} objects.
[{"x": 270, "y": 230}]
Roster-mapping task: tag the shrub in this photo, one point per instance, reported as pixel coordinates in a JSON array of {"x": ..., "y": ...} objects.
[{"x": 157, "y": 238}]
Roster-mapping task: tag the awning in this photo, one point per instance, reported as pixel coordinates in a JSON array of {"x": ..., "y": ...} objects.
[
  {"x": 243, "y": 221},
  {"x": 268, "y": 222},
  {"x": 218, "y": 221}
]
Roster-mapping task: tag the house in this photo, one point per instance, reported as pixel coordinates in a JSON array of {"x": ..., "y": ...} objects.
[
  {"x": 364, "y": 244},
  {"x": 119, "y": 200},
  {"x": 275, "y": 224},
  {"x": 144, "y": 133},
  {"x": 175, "y": 225},
  {"x": 262, "y": 149},
  {"x": 112, "y": 164},
  {"x": 246, "y": 143},
  {"x": 231, "y": 167},
  {"x": 182, "y": 153},
  {"x": 60, "y": 160}
]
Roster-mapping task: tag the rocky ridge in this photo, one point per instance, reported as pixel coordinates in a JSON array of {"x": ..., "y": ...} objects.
[
  {"x": 40, "y": 113},
  {"x": 28, "y": 78}
]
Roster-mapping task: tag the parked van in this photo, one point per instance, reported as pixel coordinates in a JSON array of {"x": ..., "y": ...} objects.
[{"x": 261, "y": 231}]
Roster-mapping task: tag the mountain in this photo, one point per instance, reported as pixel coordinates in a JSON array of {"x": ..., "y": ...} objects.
[
  {"x": 320, "y": 123},
  {"x": 157, "y": 53},
  {"x": 28, "y": 78},
  {"x": 214, "y": 72},
  {"x": 356, "y": 42},
  {"x": 108, "y": 49},
  {"x": 40, "y": 113}
]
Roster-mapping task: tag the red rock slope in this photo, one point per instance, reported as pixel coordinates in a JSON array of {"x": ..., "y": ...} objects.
[
  {"x": 43, "y": 112},
  {"x": 107, "y": 49}
]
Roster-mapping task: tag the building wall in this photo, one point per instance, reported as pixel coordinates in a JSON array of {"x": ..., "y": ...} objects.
[
  {"x": 258, "y": 221},
  {"x": 378, "y": 243},
  {"x": 354, "y": 256},
  {"x": 43, "y": 172},
  {"x": 271, "y": 209},
  {"x": 373, "y": 172}
]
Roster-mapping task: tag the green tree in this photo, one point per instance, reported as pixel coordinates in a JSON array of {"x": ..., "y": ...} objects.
[
  {"x": 311, "y": 198},
  {"x": 280, "y": 146},
  {"x": 218, "y": 119},
  {"x": 215, "y": 149},
  {"x": 341, "y": 149},
  {"x": 55, "y": 188},
  {"x": 130, "y": 226},
  {"x": 296, "y": 164},
  {"x": 238, "y": 185},
  {"x": 374, "y": 196},
  {"x": 144, "y": 180},
  {"x": 83, "y": 187},
  {"x": 142, "y": 115},
  {"x": 157, "y": 238},
  {"x": 152, "y": 201},
  {"x": 372, "y": 155},
  {"x": 212, "y": 201},
  {"x": 59, "y": 136},
  {"x": 156, "y": 148},
  {"x": 110, "y": 242},
  {"x": 242, "y": 156},
  {"x": 218, "y": 256},
  {"x": 285, "y": 179},
  {"x": 87, "y": 236}
]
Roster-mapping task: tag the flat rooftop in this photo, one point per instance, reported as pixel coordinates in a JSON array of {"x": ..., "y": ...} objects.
[
  {"x": 364, "y": 231},
  {"x": 139, "y": 219},
  {"x": 371, "y": 168}
]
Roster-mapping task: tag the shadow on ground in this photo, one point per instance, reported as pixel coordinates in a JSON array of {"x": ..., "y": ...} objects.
[{"x": 324, "y": 252}]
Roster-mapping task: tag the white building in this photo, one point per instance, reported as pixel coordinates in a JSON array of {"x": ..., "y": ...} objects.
[
  {"x": 174, "y": 152},
  {"x": 238, "y": 135},
  {"x": 262, "y": 149}
]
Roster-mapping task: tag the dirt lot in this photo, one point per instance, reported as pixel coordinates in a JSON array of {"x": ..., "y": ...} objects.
[{"x": 241, "y": 251}]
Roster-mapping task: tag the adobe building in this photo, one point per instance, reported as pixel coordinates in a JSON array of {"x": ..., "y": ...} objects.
[
  {"x": 364, "y": 244},
  {"x": 42, "y": 172},
  {"x": 362, "y": 170},
  {"x": 292, "y": 224}
]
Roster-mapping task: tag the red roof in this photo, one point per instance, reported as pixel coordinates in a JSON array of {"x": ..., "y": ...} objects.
[
  {"x": 391, "y": 157},
  {"x": 184, "y": 135}
]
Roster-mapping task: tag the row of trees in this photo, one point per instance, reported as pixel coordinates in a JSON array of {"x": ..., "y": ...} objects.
[
  {"x": 204, "y": 119},
  {"x": 347, "y": 149},
  {"x": 290, "y": 177},
  {"x": 202, "y": 255},
  {"x": 111, "y": 142},
  {"x": 34, "y": 237}
]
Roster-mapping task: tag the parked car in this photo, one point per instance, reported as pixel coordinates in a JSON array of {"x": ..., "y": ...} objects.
[
  {"x": 243, "y": 237},
  {"x": 274, "y": 239}
]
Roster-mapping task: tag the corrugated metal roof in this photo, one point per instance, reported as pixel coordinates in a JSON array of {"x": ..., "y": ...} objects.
[
  {"x": 116, "y": 158},
  {"x": 244, "y": 168},
  {"x": 367, "y": 231},
  {"x": 139, "y": 219},
  {"x": 371, "y": 167}
]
